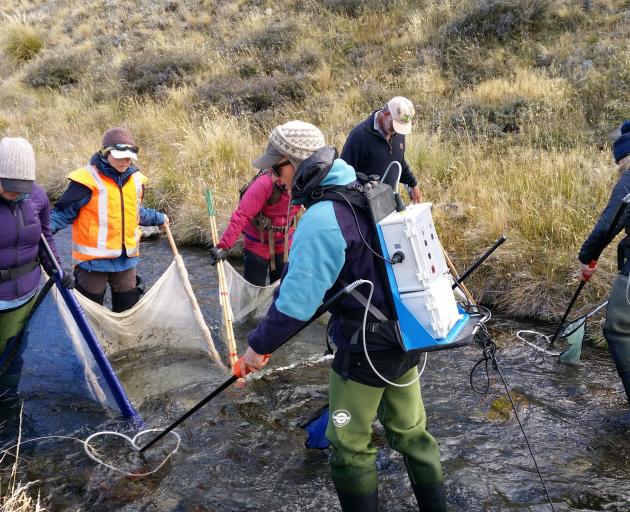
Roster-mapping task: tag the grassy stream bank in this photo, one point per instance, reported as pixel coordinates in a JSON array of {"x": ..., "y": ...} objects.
[{"x": 515, "y": 104}]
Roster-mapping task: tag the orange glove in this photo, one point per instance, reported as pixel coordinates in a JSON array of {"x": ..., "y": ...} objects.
[
  {"x": 250, "y": 362},
  {"x": 588, "y": 270}
]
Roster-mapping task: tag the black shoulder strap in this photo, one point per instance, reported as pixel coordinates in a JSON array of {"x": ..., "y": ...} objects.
[
  {"x": 243, "y": 189},
  {"x": 343, "y": 194},
  {"x": 276, "y": 193}
]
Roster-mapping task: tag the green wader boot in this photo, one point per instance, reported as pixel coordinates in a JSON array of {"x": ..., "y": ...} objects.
[
  {"x": 12, "y": 321},
  {"x": 617, "y": 329},
  {"x": 353, "y": 407}
]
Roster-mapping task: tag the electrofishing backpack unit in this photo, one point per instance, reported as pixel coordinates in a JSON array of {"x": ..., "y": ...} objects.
[
  {"x": 414, "y": 266},
  {"x": 411, "y": 260}
]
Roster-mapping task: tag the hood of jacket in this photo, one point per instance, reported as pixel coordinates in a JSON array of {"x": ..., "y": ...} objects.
[{"x": 322, "y": 169}]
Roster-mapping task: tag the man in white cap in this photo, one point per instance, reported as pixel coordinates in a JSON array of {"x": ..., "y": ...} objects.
[{"x": 380, "y": 140}]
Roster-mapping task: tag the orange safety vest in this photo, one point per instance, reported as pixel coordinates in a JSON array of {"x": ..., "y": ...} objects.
[{"x": 109, "y": 222}]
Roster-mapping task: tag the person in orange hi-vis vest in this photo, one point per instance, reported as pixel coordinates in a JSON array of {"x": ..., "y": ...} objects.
[{"x": 103, "y": 204}]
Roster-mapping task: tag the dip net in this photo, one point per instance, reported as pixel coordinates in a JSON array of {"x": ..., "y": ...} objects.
[
  {"x": 59, "y": 371},
  {"x": 162, "y": 342},
  {"x": 248, "y": 301}
]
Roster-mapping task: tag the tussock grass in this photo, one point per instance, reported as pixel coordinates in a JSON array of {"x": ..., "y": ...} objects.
[
  {"x": 22, "y": 42},
  {"x": 17, "y": 497},
  {"x": 515, "y": 104}
]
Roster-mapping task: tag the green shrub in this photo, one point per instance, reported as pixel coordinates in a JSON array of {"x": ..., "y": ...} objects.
[
  {"x": 480, "y": 121},
  {"x": 57, "y": 69},
  {"x": 253, "y": 94},
  {"x": 274, "y": 37},
  {"x": 22, "y": 42},
  {"x": 472, "y": 63},
  {"x": 154, "y": 69},
  {"x": 356, "y": 7},
  {"x": 500, "y": 19}
]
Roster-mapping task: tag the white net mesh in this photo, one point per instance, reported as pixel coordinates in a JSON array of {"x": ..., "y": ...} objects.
[
  {"x": 247, "y": 300},
  {"x": 150, "y": 344}
]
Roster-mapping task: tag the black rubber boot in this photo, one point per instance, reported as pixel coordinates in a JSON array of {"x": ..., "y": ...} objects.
[
  {"x": 430, "y": 499},
  {"x": 126, "y": 300},
  {"x": 359, "y": 502},
  {"x": 625, "y": 379},
  {"x": 94, "y": 297}
]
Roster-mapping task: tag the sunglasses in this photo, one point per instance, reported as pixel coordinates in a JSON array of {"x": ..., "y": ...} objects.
[
  {"x": 122, "y": 147},
  {"x": 280, "y": 165}
]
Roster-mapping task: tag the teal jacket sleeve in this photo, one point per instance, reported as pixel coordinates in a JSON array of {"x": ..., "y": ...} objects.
[{"x": 316, "y": 259}]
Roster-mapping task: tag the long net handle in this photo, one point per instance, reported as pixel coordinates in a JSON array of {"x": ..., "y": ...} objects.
[
  {"x": 224, "y": 296},
  {"x": 453, "y": 270},
  {"x": 181, "y": 268},
  {"x": 171, "y": 240}
]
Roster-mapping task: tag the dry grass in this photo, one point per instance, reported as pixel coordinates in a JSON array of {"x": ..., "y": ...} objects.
[
  {"x": 18, "y": 497},
  {"x": 21, "y": 42},
  {"x": 513, "y": 120}
]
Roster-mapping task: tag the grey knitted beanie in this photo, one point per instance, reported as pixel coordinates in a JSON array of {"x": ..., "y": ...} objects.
[
  {"x": 297, "y": 140},
  {"x": 17, "y": 159}
]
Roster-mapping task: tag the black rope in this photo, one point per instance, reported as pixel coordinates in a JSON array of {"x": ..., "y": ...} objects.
[{"x": 489, "y": 349}]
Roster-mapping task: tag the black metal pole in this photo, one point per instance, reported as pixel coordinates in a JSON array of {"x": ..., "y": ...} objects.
[
  {"x": 607, "y": 239},
  {"x": 479, "y": 261},
  {"x": 566, "y": 313},
  {"x": 320, "y": 311}
]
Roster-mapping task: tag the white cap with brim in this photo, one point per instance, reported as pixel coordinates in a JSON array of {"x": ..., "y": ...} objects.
[
  {"x": 127, "y": 153},
  {"x": 17, "y": 186},
  {"x": 270, "y": 158},
  {"x": 402, "y": 112}
]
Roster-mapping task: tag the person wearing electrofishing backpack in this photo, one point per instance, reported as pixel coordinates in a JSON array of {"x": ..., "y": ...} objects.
[
  {"x": 103, "y": 204},
  {"x": 332, "y": 247},
  {"x": 24, "y": 217},
  {"x": 264, "y": 214},
  {"x": 617, "y": 327}
]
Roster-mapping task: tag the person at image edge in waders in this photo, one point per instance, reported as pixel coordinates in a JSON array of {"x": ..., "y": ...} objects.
[
  {"x": 617, "y": 327},
  {"x": 328, "y": 251},
  {"x": 103, "y": 204},
  {"x": 264, "y": 215},
  {"x": 24, "y": 217}
]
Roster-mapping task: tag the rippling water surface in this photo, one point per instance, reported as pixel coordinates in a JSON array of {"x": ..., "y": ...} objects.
[{"x": 245, "y": 451}]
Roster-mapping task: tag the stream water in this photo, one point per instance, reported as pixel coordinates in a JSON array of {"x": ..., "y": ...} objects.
[{"x": 245, "y": 450}]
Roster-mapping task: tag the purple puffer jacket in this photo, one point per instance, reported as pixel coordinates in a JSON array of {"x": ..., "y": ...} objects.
[{"x": 21, "y": 225}]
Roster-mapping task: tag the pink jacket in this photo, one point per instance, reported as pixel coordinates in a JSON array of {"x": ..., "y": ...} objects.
[{"x": 254, "y": 201}]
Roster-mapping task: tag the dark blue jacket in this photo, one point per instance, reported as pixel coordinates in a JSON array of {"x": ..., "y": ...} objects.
[
  {"x": 597, "y": 241},
  {"x": 370, "y": 153},
  {"x": 22, "y": 222}
]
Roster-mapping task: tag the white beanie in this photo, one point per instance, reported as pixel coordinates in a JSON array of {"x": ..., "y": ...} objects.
[{"x": 17, "y": 159}]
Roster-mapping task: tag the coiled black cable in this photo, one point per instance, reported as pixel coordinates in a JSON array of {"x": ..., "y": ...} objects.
[{"x": 489, "y": 349}]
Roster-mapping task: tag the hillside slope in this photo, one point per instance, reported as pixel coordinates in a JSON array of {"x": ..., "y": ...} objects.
[{"x": 516, "y": 101}]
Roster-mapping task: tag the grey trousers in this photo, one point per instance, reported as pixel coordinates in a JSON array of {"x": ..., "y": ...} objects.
[{"x": 617, "y": 329}]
